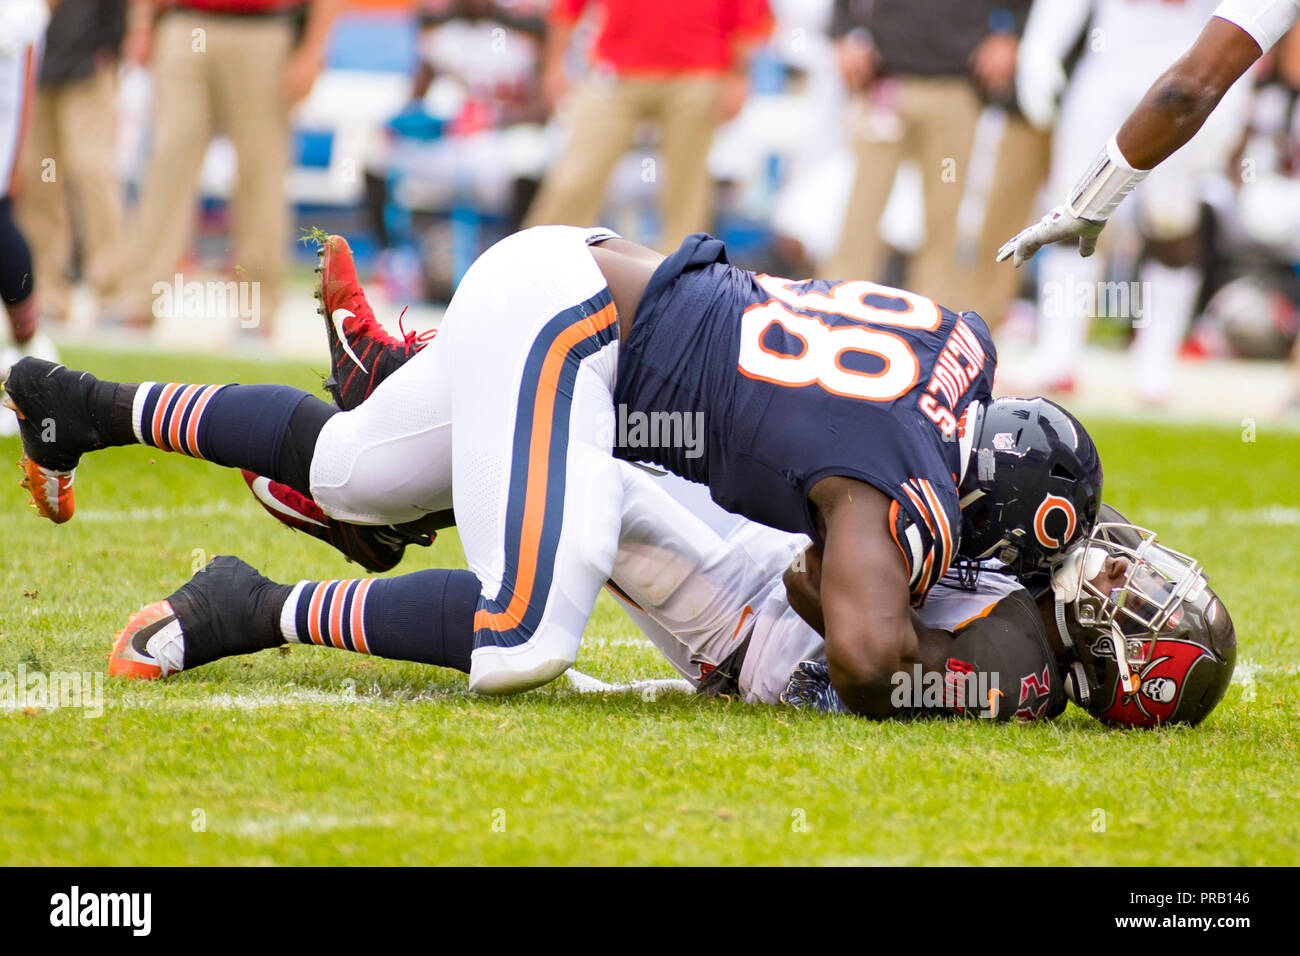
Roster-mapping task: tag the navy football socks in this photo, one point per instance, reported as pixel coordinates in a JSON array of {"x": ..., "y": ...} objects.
[
  {"x": 426, "y": 616},
  {"x": 267, "y": 429}
]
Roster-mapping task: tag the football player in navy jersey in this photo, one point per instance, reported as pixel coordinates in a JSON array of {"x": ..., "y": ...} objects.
[{"x": 854, "y": 413}]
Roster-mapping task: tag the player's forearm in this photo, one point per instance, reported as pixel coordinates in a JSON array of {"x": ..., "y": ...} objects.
[
  {"x": 803, "y": 582},
  {"x": 866, "y": 647},
  {"x": 869, "y": 683},
  {"x": 866, "y": 691},
  {"x": 1180, "y": 101}
]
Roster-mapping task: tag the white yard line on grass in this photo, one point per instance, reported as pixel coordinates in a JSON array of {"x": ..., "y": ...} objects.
[
  {"x": 604, "y": 642},
  {"x": 252, "y": 701},
  {"x": 1248, "y": 669},
  {"x": 296, "y": 697},
  {"x": 1280, "y": 516},
  {"x": 648, "y": 689},
  {"x": 262, "y": 827},
  {"x": 212, "y": 509}
]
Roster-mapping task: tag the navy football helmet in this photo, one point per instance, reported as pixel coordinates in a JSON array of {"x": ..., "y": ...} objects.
[{"x": 1032, "y": 486}]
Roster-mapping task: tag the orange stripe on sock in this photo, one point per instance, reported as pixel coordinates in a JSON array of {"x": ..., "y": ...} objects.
[
  {"x": 539, "y": 470},
  {"x": 313, "y": 612},
  {"x": 359, "y": 617},
  {"x": 182, "y": 403},
  {"x": 336, "y": 613},
  {"x": 159, "y": 412},
  {"x": 192, "y": 430}
]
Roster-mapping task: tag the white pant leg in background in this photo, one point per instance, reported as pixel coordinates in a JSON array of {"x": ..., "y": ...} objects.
[
  {"x": 698, "y": 581},
  {"x": 532, "y": 336}
]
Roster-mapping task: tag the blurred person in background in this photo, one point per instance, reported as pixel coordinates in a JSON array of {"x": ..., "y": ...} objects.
[
  {"x": 1023, "y": 109},
  {"x": 69, "y": 177},
  {"x": 1254, "y": 311},
  {"x": 471, "y": 138},
  {"x": 917, "y": 68},
  {"x": 22, "y": 25},
  {"x": 1129, "y": 43},
  {"x": 235, "y": 67},
  {"x": 683, "y": 64}
]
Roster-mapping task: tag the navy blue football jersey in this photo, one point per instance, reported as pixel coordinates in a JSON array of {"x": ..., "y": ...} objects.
[{"x": 795, "y": 381}]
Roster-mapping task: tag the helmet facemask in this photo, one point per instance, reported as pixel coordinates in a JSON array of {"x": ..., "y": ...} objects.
[{"x": 1110, "y": 636}]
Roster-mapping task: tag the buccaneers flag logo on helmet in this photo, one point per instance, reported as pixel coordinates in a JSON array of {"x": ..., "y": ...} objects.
[{"x": 1159, "y": 688}]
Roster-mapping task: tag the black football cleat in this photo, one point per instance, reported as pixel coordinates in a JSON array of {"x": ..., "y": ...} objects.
[
  {"x": 222, "y": 610},
  {"x": 57, "y": 424}
]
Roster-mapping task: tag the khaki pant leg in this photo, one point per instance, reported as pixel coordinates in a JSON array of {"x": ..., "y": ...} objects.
[
  {"x": 41, "y": 207},
  {"x": 248, "y": 61},
  {"x": 182, "y": 129},
  {"x": 88, "y": 128},
  {"x": 604, "y": 119},
  {"x": 1023, "y": 161},
  {"x": 943, "y": 112},
  {"x": 688, "y": 117},
  {"x": 878, "y": 149}
]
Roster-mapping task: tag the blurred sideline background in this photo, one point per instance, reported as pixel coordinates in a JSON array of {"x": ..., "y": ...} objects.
[{"x": 431, "y": 124}]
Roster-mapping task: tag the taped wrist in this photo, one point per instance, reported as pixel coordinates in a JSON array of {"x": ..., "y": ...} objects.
[{"x": 1108, "y": 180}]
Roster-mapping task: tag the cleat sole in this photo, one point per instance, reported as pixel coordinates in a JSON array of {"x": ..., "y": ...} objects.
[{"x": 51, "y": 491}]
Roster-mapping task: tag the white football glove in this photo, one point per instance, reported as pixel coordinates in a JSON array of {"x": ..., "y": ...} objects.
[
  {"x": 1057, "y": 226},
  {"x": 1086, "y": 208}
]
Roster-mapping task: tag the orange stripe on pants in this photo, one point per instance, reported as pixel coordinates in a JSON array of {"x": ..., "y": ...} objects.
[{"x": 539, "y": 471}]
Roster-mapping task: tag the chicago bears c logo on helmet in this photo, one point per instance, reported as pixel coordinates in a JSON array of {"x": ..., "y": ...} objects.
[{"x": 1044, "y": 513}]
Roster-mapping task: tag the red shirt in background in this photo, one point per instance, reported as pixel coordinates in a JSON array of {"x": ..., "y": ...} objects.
[{"x": 669, "y": 36}]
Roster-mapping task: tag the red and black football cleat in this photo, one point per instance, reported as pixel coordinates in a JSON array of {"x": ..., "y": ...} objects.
[
  {"x": 375, "y": 548},
  {"x": 362, "y": 352}
]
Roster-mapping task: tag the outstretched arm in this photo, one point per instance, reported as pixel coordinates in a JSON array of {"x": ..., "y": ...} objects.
[
  {"x": 1175, "y": 107},
  {"x": 870, "y": 630},
  {"x": 1184, "y": 96}
]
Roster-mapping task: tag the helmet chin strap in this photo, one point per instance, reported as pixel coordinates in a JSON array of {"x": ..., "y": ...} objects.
[
  {"x": 1127, "y": 679},
  {"x": 1078, "y": 688},
  {"x": 1077, "y": 566}
]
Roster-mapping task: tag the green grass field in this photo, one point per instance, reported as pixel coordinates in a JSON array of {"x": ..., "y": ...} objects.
[{"x": 313, "y": 756}]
